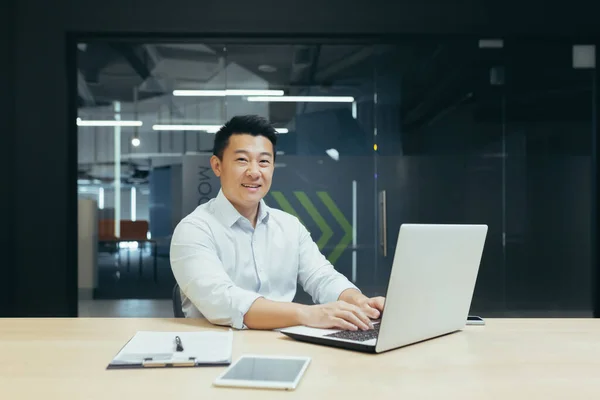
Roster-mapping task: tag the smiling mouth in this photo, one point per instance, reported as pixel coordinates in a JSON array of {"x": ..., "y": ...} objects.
[{"x": 251, "y": 186}]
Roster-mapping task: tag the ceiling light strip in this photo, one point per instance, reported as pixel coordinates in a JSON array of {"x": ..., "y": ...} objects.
[
  {"x": 227, "y": 92},
  {"x": 206, "y": 128},
  {"x": 306, "y": 99},
  {"x": 81, "y": 122}
]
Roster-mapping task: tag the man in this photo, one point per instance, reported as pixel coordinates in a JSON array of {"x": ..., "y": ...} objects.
[{"x": 237, "y": 261}]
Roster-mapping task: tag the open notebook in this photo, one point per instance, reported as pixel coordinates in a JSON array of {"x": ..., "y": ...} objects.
[{"x": 175, "y": 349}]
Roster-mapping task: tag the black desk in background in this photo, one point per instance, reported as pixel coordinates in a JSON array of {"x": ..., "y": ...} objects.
[{"x": 154, "y": 251}]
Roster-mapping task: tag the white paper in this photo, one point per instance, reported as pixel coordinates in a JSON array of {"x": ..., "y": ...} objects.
[{"x": 205, "y": 347}]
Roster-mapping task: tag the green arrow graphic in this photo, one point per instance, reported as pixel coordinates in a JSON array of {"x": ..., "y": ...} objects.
[
  {"x": 326, "y": 232},
  {"x": 339, "y": 217},
  {"x": 285, "y": 205}
]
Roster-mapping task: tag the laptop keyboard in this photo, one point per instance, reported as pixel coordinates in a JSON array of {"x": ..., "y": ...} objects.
[{"x": 359, "y": 336}]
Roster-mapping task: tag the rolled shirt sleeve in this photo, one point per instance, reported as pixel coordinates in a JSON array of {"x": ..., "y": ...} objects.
[
  {"x": 316, "y": 274},
  {"x": 203, "y": 279}
]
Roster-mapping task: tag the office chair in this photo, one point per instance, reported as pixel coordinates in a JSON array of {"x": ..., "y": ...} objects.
[{"x": 177, "y": 310}]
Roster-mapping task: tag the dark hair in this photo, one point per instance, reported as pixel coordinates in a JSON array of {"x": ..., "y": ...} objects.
[{"x": 243, "y": 124}]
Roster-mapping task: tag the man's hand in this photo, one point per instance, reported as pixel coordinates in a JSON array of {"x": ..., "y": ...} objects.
[
  {"x": 371, "y": 306},
  {"x": 338, "y": 315}
]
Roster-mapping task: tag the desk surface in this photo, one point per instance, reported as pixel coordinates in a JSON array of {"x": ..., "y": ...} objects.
[{"x": 506, "y": 359}]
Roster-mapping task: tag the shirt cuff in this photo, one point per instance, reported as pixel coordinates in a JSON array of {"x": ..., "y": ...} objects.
[
  {"x": 335, "y": 290},
  {"x": 242, "y": 300}
]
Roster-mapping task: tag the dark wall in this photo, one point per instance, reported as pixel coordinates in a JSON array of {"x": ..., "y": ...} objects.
[
  {"x": 7, "y": 120},
  {"x": 45, "y": 156},
  {"x": 40, "y": 147},
  {"x": 318, "y": 16},
  {"x": 595, "y": 217}
]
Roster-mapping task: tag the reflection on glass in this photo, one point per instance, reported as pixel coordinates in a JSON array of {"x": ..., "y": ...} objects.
[{"x": 447, "y": 131}]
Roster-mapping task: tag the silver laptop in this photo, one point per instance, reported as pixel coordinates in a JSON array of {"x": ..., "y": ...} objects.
[{"x": 429, "y": 292}]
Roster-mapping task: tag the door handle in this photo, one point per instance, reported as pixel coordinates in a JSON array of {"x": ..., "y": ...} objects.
[{"x": 383, "y": 222}]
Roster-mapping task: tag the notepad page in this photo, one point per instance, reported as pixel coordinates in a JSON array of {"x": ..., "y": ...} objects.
[{"x": 203, "y": 346}]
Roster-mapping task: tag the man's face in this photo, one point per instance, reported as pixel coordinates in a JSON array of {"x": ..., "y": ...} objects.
[{"x": 246, "y": 169}]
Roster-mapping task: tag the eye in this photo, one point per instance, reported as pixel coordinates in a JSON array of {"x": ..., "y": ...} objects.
[
  {"x": 242, "y": 159},
  {"x": 265, "y": 161}
]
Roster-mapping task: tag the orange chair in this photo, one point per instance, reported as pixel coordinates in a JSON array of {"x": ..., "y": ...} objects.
[
  {"x": 130, "y": 230},
  {"x": 134, "y": 230}
]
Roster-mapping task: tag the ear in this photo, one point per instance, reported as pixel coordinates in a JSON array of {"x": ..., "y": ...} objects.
[{"x": 215, "y": 164}]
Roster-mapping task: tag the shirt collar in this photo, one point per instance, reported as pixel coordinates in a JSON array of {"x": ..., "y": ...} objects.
[{"x": 230, "y": 215}]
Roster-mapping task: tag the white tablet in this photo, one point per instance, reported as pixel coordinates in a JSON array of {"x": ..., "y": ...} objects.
[{"x": 262, "y": 371}]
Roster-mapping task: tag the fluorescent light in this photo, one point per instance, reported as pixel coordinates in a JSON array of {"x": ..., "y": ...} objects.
[
  {"x": 128, "y": 245},
  {"x": 207, "y": 93},
  {"x": 133, "y": 204},
  {"x": 227, "y": 92},
  {"x": 207, "y": 128},
  {"x": 333, "y": 153},
  {"x": 236, "y": 92},
  {"x": 80, "y": 122},
  {"x": 144, "y": 156},
  {"x": 306, "y": 99},
  {"x": 101, "y": 198}
]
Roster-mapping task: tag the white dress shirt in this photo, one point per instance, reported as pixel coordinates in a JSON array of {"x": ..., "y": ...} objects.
[{"x": 222, "y": 264}]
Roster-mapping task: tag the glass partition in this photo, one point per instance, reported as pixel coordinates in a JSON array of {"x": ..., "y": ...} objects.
[
  {"x": 371, "y": 136},
  {"x": 548, "y": 176}
]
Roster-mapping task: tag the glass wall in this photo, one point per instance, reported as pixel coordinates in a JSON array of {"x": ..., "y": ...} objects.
[
  {"x": 496, "y": 132},
  {"x": 548, "y": 179},
  {"x": 370, "y": 136}
]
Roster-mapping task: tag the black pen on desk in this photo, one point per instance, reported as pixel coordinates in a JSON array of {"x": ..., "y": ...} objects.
[{"x": 178, "y": 343}]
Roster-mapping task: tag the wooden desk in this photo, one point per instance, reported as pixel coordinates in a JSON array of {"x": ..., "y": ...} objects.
[{"x": 507, "y": 359}]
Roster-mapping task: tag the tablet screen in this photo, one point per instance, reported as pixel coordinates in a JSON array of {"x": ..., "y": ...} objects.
[{"x": 265, "y": 369}]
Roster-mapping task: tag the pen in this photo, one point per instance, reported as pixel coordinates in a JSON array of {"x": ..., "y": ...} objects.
[{"x": 178, "y": 343}]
